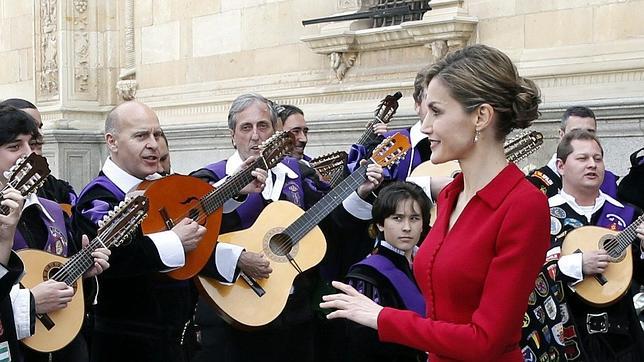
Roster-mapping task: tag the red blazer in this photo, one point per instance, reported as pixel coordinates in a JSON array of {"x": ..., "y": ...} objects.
[{"x": 476, "y": 278}]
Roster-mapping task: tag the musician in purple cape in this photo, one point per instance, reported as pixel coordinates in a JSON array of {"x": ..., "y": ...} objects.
[
  {"x": 558, "y": 323},
  {"x": 141, "y": 314},
  {"x": 547, "y": 178},
  {"x": 53, "y": 189},
  {"x": 400, "y": 220},
  {"x": 291, "y": 337},
  {"x": 42, "y": 226}
]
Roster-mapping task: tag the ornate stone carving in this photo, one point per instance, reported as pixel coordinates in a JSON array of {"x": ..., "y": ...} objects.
[
  {"x": 439, "y": 49},
  {"x": 127, "y": 89},
  {"x": 81, "y": 47},
  {"x": 48, "y": 47},
  {"x": 342, "y": 62}
]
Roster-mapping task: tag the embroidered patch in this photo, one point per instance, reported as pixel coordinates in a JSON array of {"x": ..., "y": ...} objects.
[
  {"x": 295, "y": 194},
  {"x": 558, "y": 333},
  {"x": 546, "y": 334},
  {"x": 551, "y": 308},
  {"x": 532, "y": 299},
  {"x": 534, "y": 336},
  {"x": 552, "y": 273},
  {"x": 544, "y": 357},
  {"x": 553, "y": 254},
  {"x": 5, "y": 354},
  {"x": 526, "y": 320},
  {"x": 540, "y": 314},
  {"x": 559, "y": 291},
  {"x": 542, "y": 177},
  {"x": 563, "y": 310},
  {"x": 574, "y": 223},
  {"x": 555, "y": 226},
  {"x": 541, "y": 285},
  {"x": 557, "y": 212},
  {"x": 59, "y": 245},
  {"x": 528, "y": 355},
  {"x": 618, "y": 222},
  {"x": 553, "y": 353}
]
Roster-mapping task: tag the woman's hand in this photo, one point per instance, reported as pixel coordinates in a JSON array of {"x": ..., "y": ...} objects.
[{"x": 351, "y": 305}]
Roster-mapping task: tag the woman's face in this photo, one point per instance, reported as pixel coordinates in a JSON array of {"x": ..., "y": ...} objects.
[
  {"x": 402, "y": 229},
  {"x": 449, "y": 128}
]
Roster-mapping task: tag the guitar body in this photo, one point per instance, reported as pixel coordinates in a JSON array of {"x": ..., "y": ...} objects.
[
  {"x": 617, "y": 275},
  {"x": 39, "y": 267},
  {"x": 180, "y": 196},
  {"x": 427, "y": 168},
  {"x": 238, "y": 302}
]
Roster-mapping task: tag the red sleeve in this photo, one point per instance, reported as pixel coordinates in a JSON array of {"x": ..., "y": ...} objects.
[{"x": 520, "y": 250}]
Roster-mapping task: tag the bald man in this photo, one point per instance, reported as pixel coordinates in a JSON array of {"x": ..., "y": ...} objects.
[{"x": 141, "y": 314}]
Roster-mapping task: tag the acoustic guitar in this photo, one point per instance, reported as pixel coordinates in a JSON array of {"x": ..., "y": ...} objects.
[
  {"x": 292, "y": 241},
  {"x": 610, "y": 286},
  {"x": 57, "y": 329},
  {"x": 516, "y": 149},
  {"x": 176, "y": 197}
]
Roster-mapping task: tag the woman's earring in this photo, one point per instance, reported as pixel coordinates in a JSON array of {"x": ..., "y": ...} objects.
[{"x": 477, "y": 135}]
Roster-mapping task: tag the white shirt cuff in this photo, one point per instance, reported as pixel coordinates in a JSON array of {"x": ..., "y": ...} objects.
[
  {"x": 226, "y": 257},
  {"x": 170, "y": 248},
  {"x": 424, "y": 182},
  {"x": 571, "y": 265},
  {"x": 357, "y": 206},
  {"x": 21, "y": 305}
]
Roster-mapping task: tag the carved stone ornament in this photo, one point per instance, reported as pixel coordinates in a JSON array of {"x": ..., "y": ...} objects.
[
  {"x": 127, "y": 89},
  {"x": 81, "y": 47},
  {"x": 439, "y": 49},
  {"x": 48, "y": 47},
  {"x": 342, "y": 62}
]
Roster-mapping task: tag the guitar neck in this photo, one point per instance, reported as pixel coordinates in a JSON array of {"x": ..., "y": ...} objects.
[
  {"x": 312, "y": 217},
  {"x": 626, "y": 237},
  {"x": 78, "y": 264},
  {"x": 231, "y": 187},
  {"x": 368, "y": 136}
]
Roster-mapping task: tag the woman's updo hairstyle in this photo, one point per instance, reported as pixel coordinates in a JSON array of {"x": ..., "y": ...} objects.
[{"x": 480, "y": 74}]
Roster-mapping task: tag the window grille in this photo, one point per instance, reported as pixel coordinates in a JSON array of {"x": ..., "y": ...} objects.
[{"x": 417, "y": 9}]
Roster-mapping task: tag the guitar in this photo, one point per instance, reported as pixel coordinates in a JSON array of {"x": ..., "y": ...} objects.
[
  {"x": 610, "y": 286},
  {"x": 26, "y": 175},
  {"x": 57, "y": 329},
  {"x": 176, "y": 197},
  {"x": 383, "y": 114},
  {"x": 292, "y": 241},
  {"x": 516, "y": 149},
  {"x": 330, "y": 166}
]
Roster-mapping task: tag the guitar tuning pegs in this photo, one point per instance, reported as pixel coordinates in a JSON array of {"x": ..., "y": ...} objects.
[{"x": 101, "y": 223}]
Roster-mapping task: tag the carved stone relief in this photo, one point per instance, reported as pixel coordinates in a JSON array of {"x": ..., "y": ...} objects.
[
  {"x": 127, "y": 84},
  {"x": 81, "y": 47},
  {"x": 48, "y": 47},
  {"x": 342, "y": 62}
]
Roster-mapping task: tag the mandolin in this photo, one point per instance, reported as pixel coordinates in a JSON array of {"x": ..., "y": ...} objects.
[
  {"x": 292, "y": 241},
  {"x": 610, "y": 286},
  {"x": 26, "y": 175},
  {"x": 57, "y": 329},
  {"x": 176, "y": 197},
  {"x": 330, "y": 166}
]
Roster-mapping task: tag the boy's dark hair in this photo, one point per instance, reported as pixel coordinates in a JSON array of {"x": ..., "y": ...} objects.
[
  {"x": 13, "y": 123},
  {"x": 389, "y": 197}
]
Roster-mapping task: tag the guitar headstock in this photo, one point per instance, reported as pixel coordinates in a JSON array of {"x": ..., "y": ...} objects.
[
  {"x": 387, "y": 108},
  {"x": 121, "y": 222},
  {"x": 390, "y": 150},
  {"x": 276, "y": 147},
  {"x": 521, "y": 146},
  {"x": 28, "y": 173},
  {"x": 328, "y": 163}
]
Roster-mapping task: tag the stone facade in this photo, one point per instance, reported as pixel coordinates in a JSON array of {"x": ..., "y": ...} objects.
[{"x": 190, "y": 59}]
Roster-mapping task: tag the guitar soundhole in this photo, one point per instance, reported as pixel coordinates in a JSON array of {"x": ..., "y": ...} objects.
[
  {"x": 610, "y": 244},
  {"x": 50, "y": 271},
  {"x": 280, "y": 244}
]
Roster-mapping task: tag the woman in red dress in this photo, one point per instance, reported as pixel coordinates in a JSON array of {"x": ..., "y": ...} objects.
[{"x": 479, "y": 262}]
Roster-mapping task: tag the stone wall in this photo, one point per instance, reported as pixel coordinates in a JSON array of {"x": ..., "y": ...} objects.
[{"x": 190, "y": 59}]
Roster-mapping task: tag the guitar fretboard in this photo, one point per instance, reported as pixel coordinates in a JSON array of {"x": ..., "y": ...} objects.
[{"x": 624, "y": 239}]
